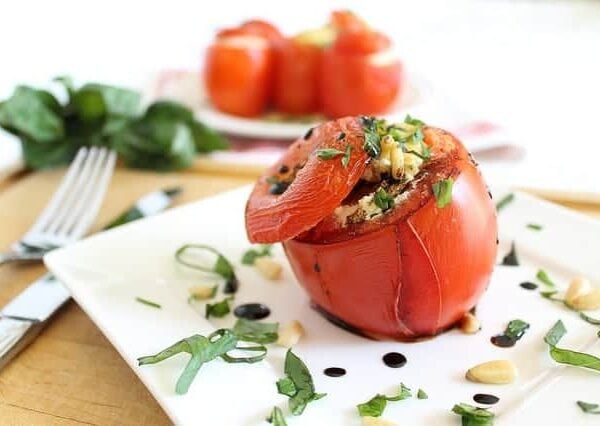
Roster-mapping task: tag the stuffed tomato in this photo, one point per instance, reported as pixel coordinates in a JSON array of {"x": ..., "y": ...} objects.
[{"x": 389, "y": 227}]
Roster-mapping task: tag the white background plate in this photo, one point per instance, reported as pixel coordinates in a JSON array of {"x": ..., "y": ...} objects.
[{"x": 106, "y": 272}]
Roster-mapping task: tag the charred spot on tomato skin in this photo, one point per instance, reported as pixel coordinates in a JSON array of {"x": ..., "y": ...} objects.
[
  {"x": 284, "y": 169},
  {"x": 309, "y": 133},
  {"x": 316, "y": 267}
]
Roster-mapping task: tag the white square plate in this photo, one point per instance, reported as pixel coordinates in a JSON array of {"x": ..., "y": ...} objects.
[{"x": 107, "y": 272}]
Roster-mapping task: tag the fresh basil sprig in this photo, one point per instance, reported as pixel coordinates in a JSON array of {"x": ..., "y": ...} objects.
[
  {"x": 376, "y": 405},
  {"x": 442, "y": 192},
  {"x": 250, "y": 255},
  {"x": 202, "y": 350},
  {"x": 164, "y": 137},
  {"x": 221, "y": 267},
  {"x": 297, "y": 384},
  {"x": 330, "y": 153},
  {"x": 473, "y": 416},
  {"x": 277, "y": 418},
  {"x": 516, "y": 329},
  {"x": 567, "y": 356},
  {"x": 588, "y": 407},
  {"x": 255, "y": 331}
]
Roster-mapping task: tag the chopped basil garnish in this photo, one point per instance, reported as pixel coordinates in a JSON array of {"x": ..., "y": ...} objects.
[
  {"x": 375, "y": 406},
  {"x": 535, "y": 226},
  {"x": 442, "y": 192},
  {"x": 346, "y": 157},
  {"x": 566, "y": 356},
  {"x": 516, "y": 329},
  {"x": 277, "y": 418},
  {"x": 589, "y": 319},
  {"x": 219, "y": 309},
  {"x": 588, "y": 407},
  {"x": 545, "y": 278},
  {"x": 421, "y": 394},
  {"x": 202, "y": 350},
  {"x": 473, "y": 416},
  {"x": 328, "y": 153},
  {"x": 254, "y": 331},
  {"x": 383, "y": 200},
  {"x": 550, "y": 295},
  {"x": 506, "y": 200},
  {"x": 221, "y": 267},
  {"x": 511, "y": 258},
  {"x": 250, "y": 255},
  {"x": 297, "y": 384},
  {"x": 372, "y": 145},
  {"x": 148, "y": 302}
]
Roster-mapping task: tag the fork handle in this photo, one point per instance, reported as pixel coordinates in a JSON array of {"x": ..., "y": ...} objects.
[{"x": 11, "y": 257}]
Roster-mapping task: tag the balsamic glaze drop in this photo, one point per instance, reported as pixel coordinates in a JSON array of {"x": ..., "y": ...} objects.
[
  {"x": 503, "y": 341},
  {"x": 252, "y": 311},
  {"x": 394, "y": 360},
  {"x": 334, "y": 372},
  {"x": 484, "y": 398},
  {"x": 528, "y": 285}
]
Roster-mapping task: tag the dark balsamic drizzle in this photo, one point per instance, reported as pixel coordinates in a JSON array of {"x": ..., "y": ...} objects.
[
  {"x": 485, "y": 398},
  {"x": 252, "y": 311},
  {"x": 334, "y": 372},
  {"x": 394, "y": 360},
  {"x": 309, "y": 133},
  {"x": 528, "y": 285},
  {"x": 340, "y": 323},
  {"x": 503, "y": 341},
  {"x": 231, "y": 285}
]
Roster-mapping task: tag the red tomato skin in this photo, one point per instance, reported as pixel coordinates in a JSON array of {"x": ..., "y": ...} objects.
[
  {"x": 351, "y": 85},
  {"x": 297, "y": 68},
  {"x": 238, "y": 78},
  {"x": 412, "y": 278}
]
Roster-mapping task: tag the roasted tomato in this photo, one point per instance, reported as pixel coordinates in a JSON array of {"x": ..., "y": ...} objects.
[
  {"x": 345, "y": 20},
  {"x": 359, "y": 75},
  {"x": 239, "y": 68},
  {"x": 396, "y": 241}
]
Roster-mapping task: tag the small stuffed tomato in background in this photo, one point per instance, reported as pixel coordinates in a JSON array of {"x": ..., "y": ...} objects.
[
  {"x": 359, "y": 75},
  {"x": 239, "y": 68}
]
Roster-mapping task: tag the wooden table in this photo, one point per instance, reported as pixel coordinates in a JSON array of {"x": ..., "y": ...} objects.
[{"x": 71, "y": 373}]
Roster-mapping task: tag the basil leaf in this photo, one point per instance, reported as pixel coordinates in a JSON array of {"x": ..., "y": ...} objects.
[
  {"x": 346, "y": 157},
  {"x": 219, "y": 309},
  {"x": 200, "y": 348},
  {"x": 413, "y": 121},
  {"x": 442, "y": 192},
  {"x": 116, "y": 100},
  {"x": 505, "y": 201},
  {"x": 148, "y": 302},
  {"x": 421, "y": 394},
  {"x": 473, "y": 416},
  {"x": 221, "y": 267},
  {"x": 250, "y": 255},
  {"x": 32, "y": 114},
  {"x": 516, "y": 329},
  {"x": 566, "y": 356},
  {"x": 254, "y": 331},
  {"x": 298, "y": 384},
  {"x": 534, "y": 226},
  {"x": 376, "y": 405},
  {"x": 277, "y": 418},
  {"x": 543, "y": 277},
  {"x": 588, "y": 407},
  {"x": 511, "y": 258},
  {"x": 589, "y": 319},
  {"x": 372, "y": 144},
  {"x": 328, "y": 153},
  {"x": 383, "y": 200}
]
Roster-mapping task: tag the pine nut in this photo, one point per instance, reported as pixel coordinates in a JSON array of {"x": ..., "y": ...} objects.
[
  {"x": 578, "y": 287},
  {"x": 469, "y": 324},
  {"x": 290, "y": 334},
  {"x": 493, "y": 372},
  {"x": 586, "y": 302},
  {"x": 268, "y": 267},
  {"x": 203, "y": 292},
  {"x": 375, "y": 421}
]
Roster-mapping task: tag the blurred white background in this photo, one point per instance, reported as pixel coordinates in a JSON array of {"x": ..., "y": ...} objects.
[{"x": 531, "y": 66}]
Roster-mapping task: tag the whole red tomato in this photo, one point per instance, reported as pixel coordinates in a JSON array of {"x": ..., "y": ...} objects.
[
  {"x": 358, "y": 76},
  {"x": 296, "y": 85},
  {"x": 411, "y": 272}
]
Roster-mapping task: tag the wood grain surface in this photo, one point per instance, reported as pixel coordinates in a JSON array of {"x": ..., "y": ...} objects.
[{"x": 71, "y": 374}]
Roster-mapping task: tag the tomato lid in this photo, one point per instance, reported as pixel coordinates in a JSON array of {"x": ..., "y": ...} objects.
[{"x": 306, "y": 185}]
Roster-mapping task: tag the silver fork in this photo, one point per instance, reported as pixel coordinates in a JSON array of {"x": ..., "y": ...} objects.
[{"x": 71, "y": 210}]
